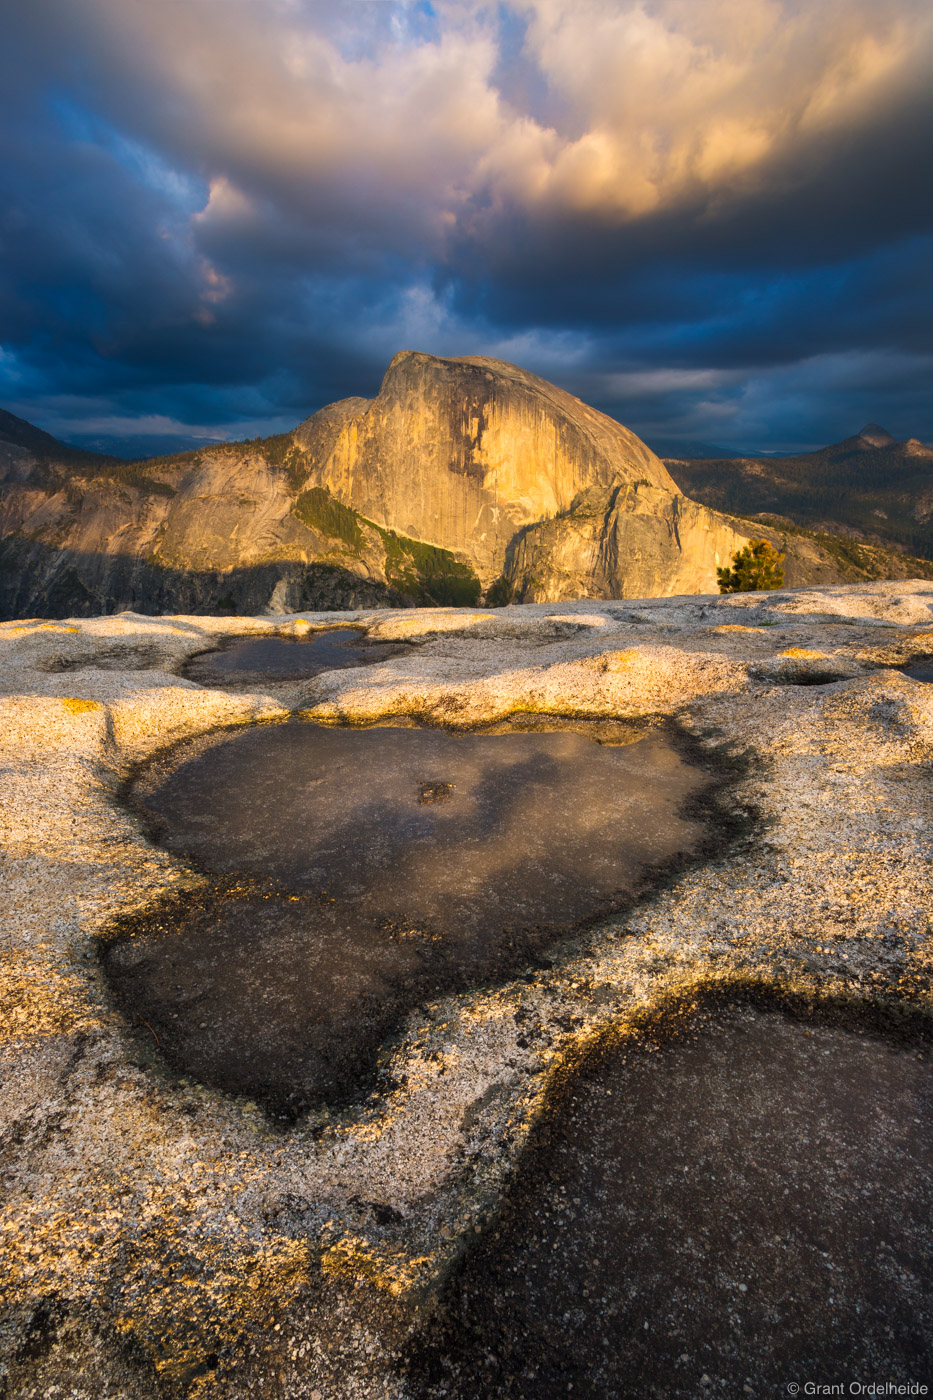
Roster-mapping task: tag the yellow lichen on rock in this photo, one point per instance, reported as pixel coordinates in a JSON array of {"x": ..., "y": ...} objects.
[
  {"x": 39, "y": 997},
  {"x": 76, "y": 706},
  {"x": 620, "y": 660},
  {"x": 211, "y": 1291},
  {"x": 392, "y": 1272}
]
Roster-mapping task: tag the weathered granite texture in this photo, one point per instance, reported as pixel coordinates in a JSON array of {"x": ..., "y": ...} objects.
[
  {"x": 464, "y": 452},
  {"x": 633, "y": 541},
  {"x": 159, "y": 1239}
]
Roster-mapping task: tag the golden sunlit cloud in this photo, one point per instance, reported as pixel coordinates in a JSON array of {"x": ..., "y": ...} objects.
[
  {"x": 625, "y": 195},
  {"x": 640, "y": 103}
]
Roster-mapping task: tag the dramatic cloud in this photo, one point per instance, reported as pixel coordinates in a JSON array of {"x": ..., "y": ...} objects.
[{"x": 712, "y": 217}]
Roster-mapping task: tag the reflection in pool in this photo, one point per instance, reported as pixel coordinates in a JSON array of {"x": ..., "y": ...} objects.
[
  {"x": 358, "y": 871},
  {"x": 729, "y": 1212},
  {"x": 248, "y": 659}
]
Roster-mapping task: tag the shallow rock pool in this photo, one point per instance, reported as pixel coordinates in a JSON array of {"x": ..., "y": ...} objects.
[
  {"x": 735, "y": 1210},
  {"x": 355, "y": 872},
  {"x": 250, "y": 660}
]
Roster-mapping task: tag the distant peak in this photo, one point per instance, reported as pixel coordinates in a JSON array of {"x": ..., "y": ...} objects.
[
  {"x": 20, "y": 433},
  {"x": 874, "y": 436}
]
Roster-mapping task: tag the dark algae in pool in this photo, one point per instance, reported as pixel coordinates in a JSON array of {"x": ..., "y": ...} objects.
[
  {"x": 250, "y": 660},
  {"x": 357, "y": 872},
  {"x": 735, "y": 1210}
]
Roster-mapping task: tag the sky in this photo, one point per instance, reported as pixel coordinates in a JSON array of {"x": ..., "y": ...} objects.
[{"x": 710, "y": 218}]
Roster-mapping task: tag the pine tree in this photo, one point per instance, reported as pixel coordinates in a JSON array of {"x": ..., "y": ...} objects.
[{"x": 756, "y": 568}]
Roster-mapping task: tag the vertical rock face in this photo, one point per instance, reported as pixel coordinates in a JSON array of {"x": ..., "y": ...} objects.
[
  {"x": 462, "y": 475},
  {"x": 465, "y": 452},
  {"x": 631, "y": 542}
]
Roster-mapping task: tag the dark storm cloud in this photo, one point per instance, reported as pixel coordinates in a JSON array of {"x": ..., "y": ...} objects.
[{"x": 710, "y": 218}]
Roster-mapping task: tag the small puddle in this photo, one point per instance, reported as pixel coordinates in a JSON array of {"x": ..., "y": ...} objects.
[
  {"x": 817, "y": 678},
  {"x": 740, "y": 1210},
  {"x": 246, "y": 660},
  {"x": 801, "y": 677},
  {"x": 920, "y": 671},
  {"x": 359, "y": 871}
]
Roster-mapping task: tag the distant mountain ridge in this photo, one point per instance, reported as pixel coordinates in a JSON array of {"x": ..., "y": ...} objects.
[
  {"x": 689, "y": 449},
  {"x": 869, "y": 486},
  {"x": 17, "y": 432},
  {"x": 464, "y": 479}
]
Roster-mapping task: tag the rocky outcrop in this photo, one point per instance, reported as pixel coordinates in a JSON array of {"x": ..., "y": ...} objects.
[
  {"x": 417, "y": 494},
  {"x": 639, "y": 541},
  {"x": 466, "y": 452},
  {"x": 228, "y": 528},
  {"x": 463, "y": 476},
  {"x": 631, "y": 542}
]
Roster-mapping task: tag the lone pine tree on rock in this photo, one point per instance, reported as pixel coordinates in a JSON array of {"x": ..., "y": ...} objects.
[{"x": 756, "y": 568}]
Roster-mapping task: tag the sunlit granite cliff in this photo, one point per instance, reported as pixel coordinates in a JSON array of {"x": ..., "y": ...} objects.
[
  {"x": 465, "y": 478},
  {"x": 465, "y": 452}
]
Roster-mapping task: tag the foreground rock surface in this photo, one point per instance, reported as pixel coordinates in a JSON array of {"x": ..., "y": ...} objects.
[{"x": 161, "y": 1239}]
